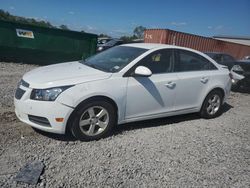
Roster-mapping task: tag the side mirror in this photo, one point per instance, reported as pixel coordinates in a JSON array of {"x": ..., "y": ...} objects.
[{"x": 143, "y": 71}]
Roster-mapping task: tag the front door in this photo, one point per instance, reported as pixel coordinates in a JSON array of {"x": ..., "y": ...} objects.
[{"x": 152, "y": 95}]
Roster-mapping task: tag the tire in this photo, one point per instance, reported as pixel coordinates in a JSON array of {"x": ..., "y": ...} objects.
[
  {"x": 93, "y": 120},
  {"x": 212, "y": 105}
]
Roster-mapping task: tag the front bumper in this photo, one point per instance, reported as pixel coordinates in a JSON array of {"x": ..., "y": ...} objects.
[{"x": 26, "y": 108}]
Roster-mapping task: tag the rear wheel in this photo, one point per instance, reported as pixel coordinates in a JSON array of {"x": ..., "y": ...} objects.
[
  {"x": 93, "y": 120},
  {"x": 212, "y": 104}
]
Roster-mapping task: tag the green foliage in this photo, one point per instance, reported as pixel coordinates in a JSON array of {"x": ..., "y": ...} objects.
[
  {"x": 139, "y": 32},
  {"x": 64, "y": 27},
  {"x": 6, "y": 16}
]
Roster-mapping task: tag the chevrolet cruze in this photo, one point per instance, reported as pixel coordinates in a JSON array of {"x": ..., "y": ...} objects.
[{"x": 126, "y": 83}]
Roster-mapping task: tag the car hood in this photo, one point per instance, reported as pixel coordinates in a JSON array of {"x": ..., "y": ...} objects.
[
  {"x": 245, "y": 64},
  {"x": 244, "y": 61},
  {"x": 62, "y": 74}
]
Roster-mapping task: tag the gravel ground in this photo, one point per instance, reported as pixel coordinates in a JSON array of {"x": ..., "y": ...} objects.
[{"x": 181, "y": 151}]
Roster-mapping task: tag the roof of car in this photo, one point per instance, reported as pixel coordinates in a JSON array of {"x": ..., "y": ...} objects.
[
  {"x": 149, "y": 45},
  {"x": 244, "y": 61},
  {"x": 214, "y": 53},
  {"x": 217, "y": 53}
]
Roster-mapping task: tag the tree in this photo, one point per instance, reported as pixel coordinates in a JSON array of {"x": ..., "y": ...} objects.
[
  {"x": 139, "y": 32},
  {"x": 104, "y": 35},
  {"x": 6, "y": 16},
  {"x": 128, "y": 39},
  {"x": 64, "y": 27}
]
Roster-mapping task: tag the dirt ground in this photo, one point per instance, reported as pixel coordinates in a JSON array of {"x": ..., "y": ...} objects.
[{"x": 181, "y": 151}]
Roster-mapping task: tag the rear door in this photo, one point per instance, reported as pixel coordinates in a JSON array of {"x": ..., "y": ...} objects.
[{"x": 193, "y": 72}]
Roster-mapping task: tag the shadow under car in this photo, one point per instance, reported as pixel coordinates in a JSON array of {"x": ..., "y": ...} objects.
[{"x": 137, "y": 125}]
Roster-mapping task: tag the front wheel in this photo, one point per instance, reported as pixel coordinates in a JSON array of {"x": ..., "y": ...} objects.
[
  {"x": 93, "y": 120},
  {"x": 212, "y": 104}
]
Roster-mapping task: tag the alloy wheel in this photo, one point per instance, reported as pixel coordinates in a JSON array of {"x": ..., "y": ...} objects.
[
  {"x": 94, "y": 120},
  {"x": 213, "y": 104}
]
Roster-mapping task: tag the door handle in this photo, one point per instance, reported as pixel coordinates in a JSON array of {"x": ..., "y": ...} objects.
[
  {"x": 170, "y": 85},
  {"x": 204, "y": 80}
]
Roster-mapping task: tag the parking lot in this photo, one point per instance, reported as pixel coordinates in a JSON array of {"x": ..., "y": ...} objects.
[{"x": 181, "y": 151}]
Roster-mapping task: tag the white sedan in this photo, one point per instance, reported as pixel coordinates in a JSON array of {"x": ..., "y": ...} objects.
[{"x": 126, "y": 83}]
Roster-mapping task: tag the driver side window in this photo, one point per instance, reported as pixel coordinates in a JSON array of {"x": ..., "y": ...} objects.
[{"x": 158, "y": 62}]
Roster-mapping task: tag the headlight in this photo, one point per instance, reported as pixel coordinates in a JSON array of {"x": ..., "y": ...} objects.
[
  {"x": 100, "y": 48},
  {"x": 49, "y": 94},
  {"x": 237, "y": 68}
]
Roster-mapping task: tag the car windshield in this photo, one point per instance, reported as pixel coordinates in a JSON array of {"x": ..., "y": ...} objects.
[{"x": 114, "y": 59}]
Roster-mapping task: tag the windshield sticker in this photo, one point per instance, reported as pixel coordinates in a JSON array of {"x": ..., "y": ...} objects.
[
  {"x": 24, "y": 33},
  {"x": 116, "y": 67},
  {"x": 156, "y": 58}
]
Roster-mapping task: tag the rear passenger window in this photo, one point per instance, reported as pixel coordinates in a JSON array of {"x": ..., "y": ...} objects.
[
  {"x": 189, "y": 61},
  {"x": 228, "y": 58},
  {"x": 218, "y": 58}
]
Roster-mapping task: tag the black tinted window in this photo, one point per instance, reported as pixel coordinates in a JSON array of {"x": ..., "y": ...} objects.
[
  {"x": 218, "y": 58},
  {"x": 159, "y": 61},
  {"x": 189, "y": 61},
  {"x": 228, "y": 58}
]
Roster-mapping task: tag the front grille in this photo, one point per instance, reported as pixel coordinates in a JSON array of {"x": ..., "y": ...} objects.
[
  {"x": 246, "y": 67},
  {"x": 39, "y": 120},
  {"x": 19, "y": 93},
  {"x": 247, "y": 76}
]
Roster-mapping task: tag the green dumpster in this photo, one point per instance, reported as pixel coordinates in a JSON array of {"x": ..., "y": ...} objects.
[{"x": 40, "y": 45}]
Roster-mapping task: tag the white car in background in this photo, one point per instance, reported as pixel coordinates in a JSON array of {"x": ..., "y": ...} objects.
[{"x": 126, "y": 83}]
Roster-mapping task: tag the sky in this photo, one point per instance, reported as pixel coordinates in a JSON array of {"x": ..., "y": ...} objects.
[{"x": 117, "y": 18}]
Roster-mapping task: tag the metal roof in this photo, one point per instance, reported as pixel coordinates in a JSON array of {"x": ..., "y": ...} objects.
[{"x": 232, "y": 37}]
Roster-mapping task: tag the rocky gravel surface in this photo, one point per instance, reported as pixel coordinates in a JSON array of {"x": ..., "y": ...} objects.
[{"x": 181, "y": 151}]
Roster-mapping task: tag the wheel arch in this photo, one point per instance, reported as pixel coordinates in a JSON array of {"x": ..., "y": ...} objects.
[
  {"x": 220, "y": 90},
  {"x": 211, "y": 90},
  {"x": 98, "y": 97}
]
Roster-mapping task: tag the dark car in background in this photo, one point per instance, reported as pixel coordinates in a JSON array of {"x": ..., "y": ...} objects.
[
  {"x": 109, "y": 44},
  {"x": 103, "y": 40},
  {"x": 242, "y": 68},
  {"x": 239, "y": 69},
  {"x": 246, "y": 57},
  {"x": 222, "y": 58}
]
